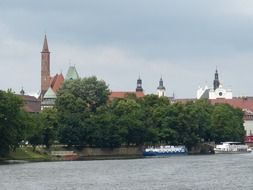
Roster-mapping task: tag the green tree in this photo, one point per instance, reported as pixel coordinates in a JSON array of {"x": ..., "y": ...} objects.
[
  {"x": 72, "y": 112},
  {"x": 48, "y": 118},
  {"x": 167, "y": 123},
  {"x": 44, "y": 128},
  {"x": 104, "y": 132},
  {"x": 91, "y": 91},
  {"x": 227, "y": 123},
  {"x": 76, "y": 102},
  {"x": 129, "y": 119},
  {"x": 34, "y": 134},
  {"x": 197, "y": 122},
  {"x": 152, "y": 108},
  {"x": 13, "y": 120}
]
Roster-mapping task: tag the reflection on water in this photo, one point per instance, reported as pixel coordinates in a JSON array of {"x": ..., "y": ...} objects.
[{"x": 182, "y": 172}]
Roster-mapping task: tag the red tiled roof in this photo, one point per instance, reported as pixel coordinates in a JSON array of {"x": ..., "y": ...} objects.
[
  {"x": 242, "y": 103},
  {"x": 31, "y": 104},
  {"x": 184, "y": 101},
  {"x": 56, "y": 82},
  {"x": 114, "y": 95}
]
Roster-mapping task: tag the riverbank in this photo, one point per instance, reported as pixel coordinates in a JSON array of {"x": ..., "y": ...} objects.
[
  {"x": 27, "y": 154},
  {"x": 61, "y": 153}
]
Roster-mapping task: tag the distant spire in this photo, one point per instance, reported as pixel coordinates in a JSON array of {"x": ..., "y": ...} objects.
[
  {"x": 216, "y": 82},
  {"x": 45, "y": 68},
  {"x": 161, "y": 88},
  {"x": 22, "y": 92},
  {"x": 45, "y": 45},
  {"x": 139, "y": 85},
  {"x": 161, "y": 84}
]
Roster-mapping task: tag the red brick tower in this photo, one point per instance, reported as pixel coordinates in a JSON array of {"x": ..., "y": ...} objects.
[{"x": 45, "y": 68}]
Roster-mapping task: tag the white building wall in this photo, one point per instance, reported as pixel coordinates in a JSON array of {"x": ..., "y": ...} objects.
[
  {"x": 203, "y": 93},
  {"x": 200, "y": 91},
  {"x": 160, "y": 92},
  {"x": 248, "y": 126},
  {"x": 218, "y": 93}
]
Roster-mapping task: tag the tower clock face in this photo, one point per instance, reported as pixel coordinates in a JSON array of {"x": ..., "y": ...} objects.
[{"x": 220, "y": 93}]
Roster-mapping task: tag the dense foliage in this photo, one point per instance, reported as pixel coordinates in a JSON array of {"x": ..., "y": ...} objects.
[
  {"x": 77, "y": 103},
  {"x": 87, "y": 118},
  {"x": 83, "y": 116},
  {"x": 13, "y": 122},
  {"x": 44, "y": 128}
]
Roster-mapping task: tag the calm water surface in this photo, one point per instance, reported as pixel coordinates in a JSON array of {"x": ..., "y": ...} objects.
[{"x": 183, "y": 172}]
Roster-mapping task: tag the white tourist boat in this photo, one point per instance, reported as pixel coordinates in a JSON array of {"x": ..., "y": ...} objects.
[
  {"x": 165, "y": 151},
  {"x": 231, "y": 147}
]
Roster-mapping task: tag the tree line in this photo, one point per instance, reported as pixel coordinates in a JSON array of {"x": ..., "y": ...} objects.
[{"x": 83, "y": 116}]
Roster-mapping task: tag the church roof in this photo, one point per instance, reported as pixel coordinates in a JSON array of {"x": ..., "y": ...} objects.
[
  {"x": 205, "y": 94},
  {"x": 72, "y": 73},
  {"x": 56, "y": 82},
  {"x": 50, "y": 94},
  {"x": 242, "y": 103},
  {"x": 121, "y": 94}
]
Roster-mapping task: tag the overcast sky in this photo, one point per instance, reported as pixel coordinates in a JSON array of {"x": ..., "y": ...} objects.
[{"x": 116, "y": 40}]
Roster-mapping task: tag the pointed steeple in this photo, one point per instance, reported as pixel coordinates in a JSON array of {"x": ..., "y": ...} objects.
[
  {"x": 45, "y": 68},
  {"x": 22, "y": 92},
  {"x": 216, "y": 82},
  {"x": 161, "y": 87},
  {"x": 139, "y": 85},
  {"x": 45, "y": 46}
]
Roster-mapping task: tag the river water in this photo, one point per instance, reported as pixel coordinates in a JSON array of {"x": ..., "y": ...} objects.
[{"x": 178, "y": 172}]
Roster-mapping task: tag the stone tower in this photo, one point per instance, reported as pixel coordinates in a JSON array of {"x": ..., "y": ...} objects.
[
  {"x": 45, "y": 68},
  {"x": 139, "y": 85},
  {"x": 216, "y": 82},
  {"x": 161, "y": 88}
]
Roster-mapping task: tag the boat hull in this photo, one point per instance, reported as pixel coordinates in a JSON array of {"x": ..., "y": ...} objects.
[
  {"x": 165, "y": 151},
  {"x": 231, "y": 148},
  {"x": 164, "y": 154},
  {"x": 231, "y": 152}
]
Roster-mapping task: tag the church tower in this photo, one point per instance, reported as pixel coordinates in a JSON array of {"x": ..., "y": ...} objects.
[
  {"x": 216, "y": 82},
  {"x": 139, "y": 85},
  {"x": 161, "y": 88},
  {"x": 45, "y": 68}
]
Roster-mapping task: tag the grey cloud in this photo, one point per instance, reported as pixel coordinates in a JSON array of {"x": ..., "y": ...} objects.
[{"x": 176, "y": 37}]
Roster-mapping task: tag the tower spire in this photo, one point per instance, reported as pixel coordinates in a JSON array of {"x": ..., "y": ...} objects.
[
  {"x": 45, "y": 68},
  {"x": 216, "y": 82},
  {"x": 139, "y": 85},
  {"x": 45, "y": 45},
  {"x": 22, "y": 92}
]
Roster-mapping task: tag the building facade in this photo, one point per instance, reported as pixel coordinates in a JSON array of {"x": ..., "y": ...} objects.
[
  {"x": 138, "y": 93},
  {"x": 217, "y": 92}
]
